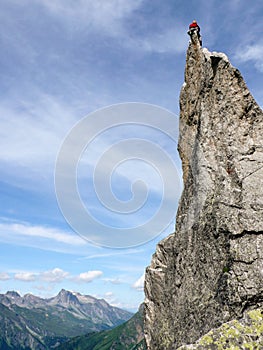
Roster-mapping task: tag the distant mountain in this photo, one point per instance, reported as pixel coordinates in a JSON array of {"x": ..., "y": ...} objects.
[
  {"x": 33, "y": 323},
  {"x": 128, "y": 336}
]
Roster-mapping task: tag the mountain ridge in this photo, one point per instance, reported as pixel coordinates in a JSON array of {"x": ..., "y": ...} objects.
[
  {"x": 39, "y": 323},
  {"x": 127, "y": 336}
]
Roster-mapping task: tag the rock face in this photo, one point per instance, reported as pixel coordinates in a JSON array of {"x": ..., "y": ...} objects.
[
  {"x": 210, "y": 271},
  {"x": 246, "y": 333}
]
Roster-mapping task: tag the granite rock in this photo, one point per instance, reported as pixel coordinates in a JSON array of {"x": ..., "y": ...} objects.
[{"x": 210, "y": 271}]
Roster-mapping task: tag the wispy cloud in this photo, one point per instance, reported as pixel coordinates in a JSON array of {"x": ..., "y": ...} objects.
[
  {"x": 12, "y": 230},
  {"x": 113, "y": 300},
  {"x": 32, "y": 139},
  {"x": 112, "y": 19},
  {"x": 102, "y": 15},
  {"x": 113, "y": 280},
  {"x": 25, "y": 276},
  {"x": 167, "y": 41},
  {"x": 252, "y": 53},
  {"x": 44, "y": 288},
  {"x": 113, "y": 253},
  {"x": 110, "y": 297},
  {"x": 4, "y": 276}
]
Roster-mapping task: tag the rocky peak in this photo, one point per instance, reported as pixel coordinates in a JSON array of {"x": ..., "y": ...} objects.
[
  {"x": 13, "y": 294},
  {"x": 65, "y": 297},
  {"x": 9, "y": 298},
  {"x": 210, "y": 271},
  {"x": 30, "y": 300}
]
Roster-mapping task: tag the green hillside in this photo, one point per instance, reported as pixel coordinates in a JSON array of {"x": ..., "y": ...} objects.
[{"x": 128, "y": 336}]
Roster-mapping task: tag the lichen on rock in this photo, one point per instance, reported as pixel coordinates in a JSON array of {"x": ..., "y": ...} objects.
[
  {"x": 210, "y": 271},
  {"x": 243, "y": 334}
]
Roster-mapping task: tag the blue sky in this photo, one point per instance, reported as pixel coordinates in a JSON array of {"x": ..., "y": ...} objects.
[{"x": 62, "y": 60}]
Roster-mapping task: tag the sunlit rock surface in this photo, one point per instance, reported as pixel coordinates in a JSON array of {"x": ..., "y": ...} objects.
[{"x": 210, "y": 271}]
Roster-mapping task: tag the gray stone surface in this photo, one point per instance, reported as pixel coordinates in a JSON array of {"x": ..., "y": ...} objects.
[
  {"x": 210, "y": 271},
  {"x": 244, "y": 334}
]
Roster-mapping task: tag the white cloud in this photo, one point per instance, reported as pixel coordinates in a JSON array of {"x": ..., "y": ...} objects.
[
  {"x": 133, "y": 307},
  {"x": 107, "y": 16},
  {"x": 44, "y": 288},
  {"x": 52, "y": 234},
  {"x": 88, "y": 277},
  {"x": 31, "y": 131},
  {"x": 139, "y": 284},
  {"x": 112, "y": 280},
  {"x": 4, "y": 276},
  {"x": 53, "y": 276},
  {"x": 25, "y": 276},
  {"x": 171, "y": 40},
  {"x": 252, "y": 53},
  {"x": 56, "y": 275},
  {"x": 110, "y": 298},
  {"x": 113, "y": 253},
  {"x": 111, "y": 18}
]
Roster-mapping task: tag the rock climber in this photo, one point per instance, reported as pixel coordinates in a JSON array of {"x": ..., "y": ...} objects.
[{"x": 194, "y": 27}]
